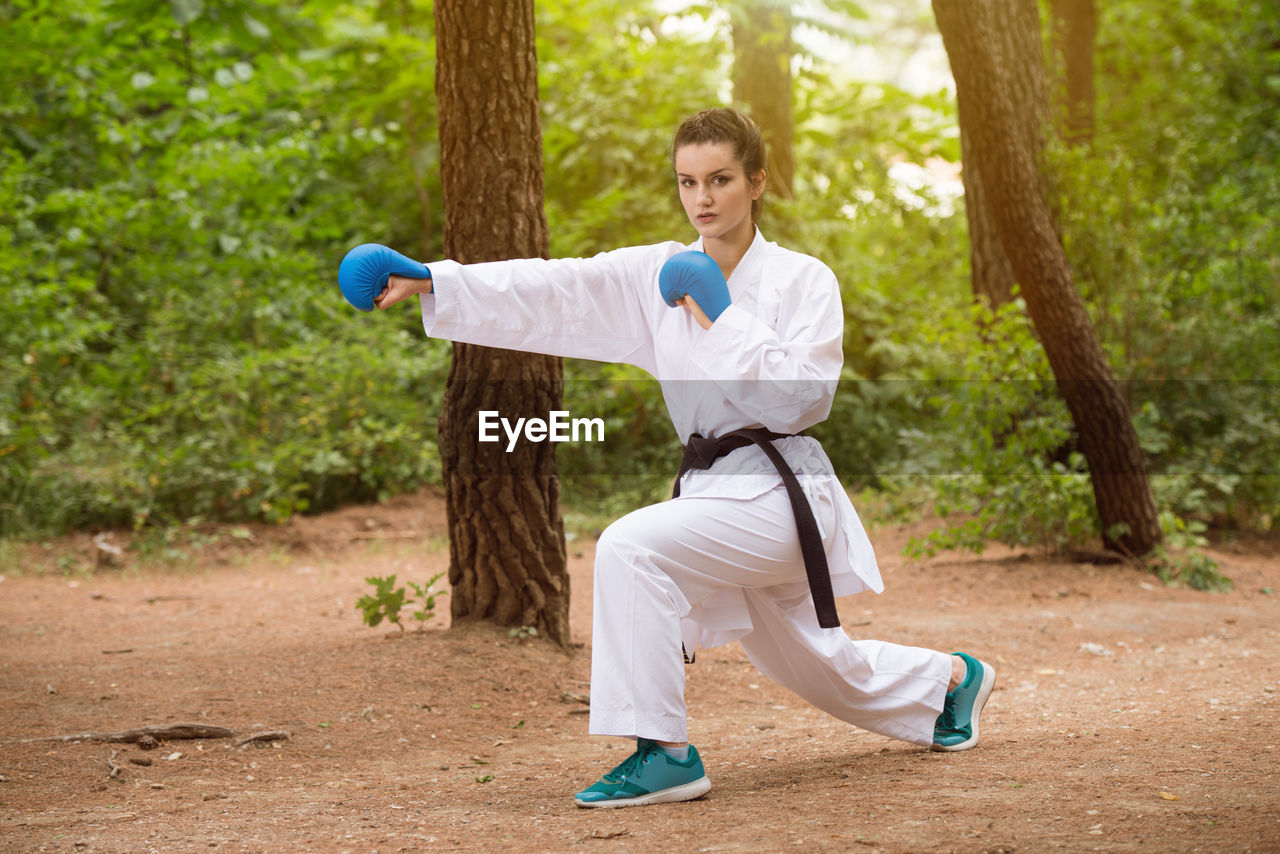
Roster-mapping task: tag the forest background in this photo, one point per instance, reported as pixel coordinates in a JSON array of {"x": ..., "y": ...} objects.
[{"x": 178, "y": 181}]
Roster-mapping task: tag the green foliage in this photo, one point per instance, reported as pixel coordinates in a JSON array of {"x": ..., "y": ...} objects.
[
  {"x": 523, "y": 633},
  {"x": 178, "y": 181},
  {"x": 998, "y": 451},
  {"x": 426, "y": 599},
  {"x": 387, "y": 601},
  {"x": 1180, "y": 559},
  {"x": 384, "y": 603},
  {"x": 1172, "y": 221},
  {"x": 614, "y": 82}
]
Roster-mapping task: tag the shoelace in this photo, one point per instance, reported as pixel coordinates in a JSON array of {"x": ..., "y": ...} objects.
[
  {"x": 644, "y": 749},
  {"x": 947, "y": 720}
]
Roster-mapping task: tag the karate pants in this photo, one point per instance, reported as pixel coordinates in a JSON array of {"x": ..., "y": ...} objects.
[{"x": 660, "y": 564}]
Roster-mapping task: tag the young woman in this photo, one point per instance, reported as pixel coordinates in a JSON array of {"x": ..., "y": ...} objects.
[{"x": 740, "y": 333}]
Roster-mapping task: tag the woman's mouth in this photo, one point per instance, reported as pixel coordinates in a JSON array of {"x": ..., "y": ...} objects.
[{"x": 706, "y": 217}]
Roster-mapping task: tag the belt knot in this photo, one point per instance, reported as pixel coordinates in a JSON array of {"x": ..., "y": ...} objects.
[{"x": 700, "y": 452}]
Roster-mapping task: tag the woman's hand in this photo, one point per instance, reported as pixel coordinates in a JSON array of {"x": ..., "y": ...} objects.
[
  {"x": 691, "y": 272},
  {"x": 692, "y": 305},
  {"x": 400, "y": 288}
]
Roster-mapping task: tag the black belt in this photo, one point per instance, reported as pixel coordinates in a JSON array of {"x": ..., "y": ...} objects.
[{"x": 701, "y": 452}]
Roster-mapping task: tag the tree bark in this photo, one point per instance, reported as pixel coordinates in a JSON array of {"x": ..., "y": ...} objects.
[
  {"x": 507, "y": 550},
  {"x": 762, "y": 50},
  {"x": 1075, "y": 26},
  {"x": 993, "y": 88},
  {"x": 990, "y": 271}
]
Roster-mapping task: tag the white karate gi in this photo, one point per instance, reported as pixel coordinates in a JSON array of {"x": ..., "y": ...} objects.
[{"x": 722, "y": 562}]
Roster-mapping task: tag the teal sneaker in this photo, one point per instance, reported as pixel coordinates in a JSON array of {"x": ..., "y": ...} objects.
[
  {"x": 957, "y": 726},
  {"x": 648, "y": 776}
]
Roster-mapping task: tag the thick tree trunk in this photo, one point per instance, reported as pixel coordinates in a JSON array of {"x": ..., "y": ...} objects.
[
  {"x": 1075, "y": 26},
  {"x": 506, "y": 551},
  {"x": 990, "y": 270},
  {"x": 762, "y": 51},
  {"x": 992, "y": 89}
]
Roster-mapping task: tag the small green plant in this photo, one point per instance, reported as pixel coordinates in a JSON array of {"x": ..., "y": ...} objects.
[
  {"x": 1179, "y": 560},
  {"x": 426, "y": 599},
  {"x": 522, "y": 633},
  {"x": 387, "y": 601}
]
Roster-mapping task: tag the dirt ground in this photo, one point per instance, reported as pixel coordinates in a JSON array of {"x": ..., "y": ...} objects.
[{"x": 1127, "y": 716}]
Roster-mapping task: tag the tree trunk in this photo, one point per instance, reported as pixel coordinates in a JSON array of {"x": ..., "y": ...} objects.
[
  {"x": 762, "y": 51},
  {"x": 1075, "y": 26},
  {"x": 993, "y": 90},
  {"x": 506, "y": 550},
  {"x": 990, "y": 270}
]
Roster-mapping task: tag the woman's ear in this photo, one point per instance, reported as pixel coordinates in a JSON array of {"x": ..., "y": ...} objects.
[{"x": 757, "y": 184}]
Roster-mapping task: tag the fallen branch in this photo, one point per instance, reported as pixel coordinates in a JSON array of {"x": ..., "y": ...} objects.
[
  {"x": 269, "y": 735},
  {"x": 575, "y": 697},
  {"x": 116, "y": 770},
  {"x": 133, "y": 735}
]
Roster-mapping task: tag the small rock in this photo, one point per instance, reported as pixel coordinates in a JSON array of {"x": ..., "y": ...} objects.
[
  {"x": 172, "y": 756},
  {"x": 148, "y": 742},
  {"x": 145, "y": 761}
]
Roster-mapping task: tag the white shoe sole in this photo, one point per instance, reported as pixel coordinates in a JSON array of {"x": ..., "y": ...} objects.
[
  {"x": 984, "y": 691},
  {"x": 687, "y": 792}
]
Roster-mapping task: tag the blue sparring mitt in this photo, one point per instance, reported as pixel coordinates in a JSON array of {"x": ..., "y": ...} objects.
[
  {"x": 363, "y": 273},
  {"x": 695, "y": 274}
]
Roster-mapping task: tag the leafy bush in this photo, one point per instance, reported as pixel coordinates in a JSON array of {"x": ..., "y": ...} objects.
[
  {"x": 178, "y": 182},
  {"x": 995, "y": 453},
  {"x": 176, "y": 194},
  {"x": 1171, "y": 218}
]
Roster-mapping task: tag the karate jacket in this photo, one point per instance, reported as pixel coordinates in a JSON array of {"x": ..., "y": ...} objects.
[{"x": 772, "y": 359}]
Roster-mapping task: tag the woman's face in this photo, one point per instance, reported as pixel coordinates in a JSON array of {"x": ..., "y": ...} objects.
[{"x": 715, "y": 191}]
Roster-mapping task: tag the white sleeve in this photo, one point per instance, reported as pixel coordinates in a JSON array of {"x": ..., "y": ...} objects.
[
  {"x": 600, "y": 308},
  {"x": 784, "y": 378}
]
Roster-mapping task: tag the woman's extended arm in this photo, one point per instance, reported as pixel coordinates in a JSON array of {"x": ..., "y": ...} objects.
[{"x": 601, "y": 308}]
